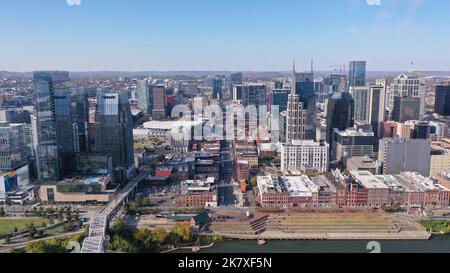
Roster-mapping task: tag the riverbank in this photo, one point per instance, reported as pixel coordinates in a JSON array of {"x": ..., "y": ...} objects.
[
  {"x": 280, "y": 236},
  {"x": 188, "y": 248},
  {"x": 436, "y": 244}
]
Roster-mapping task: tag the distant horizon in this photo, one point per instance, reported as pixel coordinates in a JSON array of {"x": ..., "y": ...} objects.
[{"x": 216, "y": 70}]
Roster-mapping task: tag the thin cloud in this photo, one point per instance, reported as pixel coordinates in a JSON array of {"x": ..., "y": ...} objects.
[
  {"x": 73, "y": 2},
  {"x": 373, "y": 2}
]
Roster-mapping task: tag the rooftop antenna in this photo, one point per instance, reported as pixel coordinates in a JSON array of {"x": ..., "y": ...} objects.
[
  {"x": 412, "y": 66},
  {"x": 294, "y": 80}
]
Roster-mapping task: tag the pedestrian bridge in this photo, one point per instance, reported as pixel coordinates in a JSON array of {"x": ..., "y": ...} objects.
[{"x": 99, "y": 223}]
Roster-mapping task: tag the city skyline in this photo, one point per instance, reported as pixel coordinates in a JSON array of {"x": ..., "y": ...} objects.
[{"x": 391, "y": 35}]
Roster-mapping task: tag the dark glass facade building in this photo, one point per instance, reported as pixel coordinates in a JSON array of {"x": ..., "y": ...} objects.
[
  {"x": 48, "y": 161},
  {"x": 357, "y": 73},
  {"x": 280, "y": 98},
  {"x": 442, "y": 105},
  {"x": 340, "y": 114},
  {"x": 114, "y": 130},
  {"x": 406, "y": 108}
]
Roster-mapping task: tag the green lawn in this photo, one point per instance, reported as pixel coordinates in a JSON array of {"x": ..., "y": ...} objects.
[
  {"x": 7, "y": 225},
  {"x": 438, "y": 226}
]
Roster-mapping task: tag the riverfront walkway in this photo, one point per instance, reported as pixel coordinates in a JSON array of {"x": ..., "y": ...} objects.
[
  {"x": 273, "y": 235},
  {"x": 326, "y": 226}
]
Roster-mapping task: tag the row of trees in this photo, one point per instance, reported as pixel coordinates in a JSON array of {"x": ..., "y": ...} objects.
[
  {"x": 61, "y": 214},
  {"x": 54, "y": 245},
  {"x": 144, "y": 240}
]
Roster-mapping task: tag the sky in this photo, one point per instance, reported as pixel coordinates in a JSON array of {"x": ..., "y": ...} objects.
[{"x": 256, "y": 35}]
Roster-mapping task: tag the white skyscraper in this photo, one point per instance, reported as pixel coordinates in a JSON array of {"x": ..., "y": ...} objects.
[
  {"x": 410, "y": 85},
  {"x": 296, "y": 114}
]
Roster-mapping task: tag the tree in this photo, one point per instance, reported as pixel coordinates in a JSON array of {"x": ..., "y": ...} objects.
[
  {"x": 159, "y": 236},
  {"x": 16, "y": 230},
  {"x": 120, "y": 228},
  {"x": 254, "y": 181},
  {"x": 68, "y": 226},
  {"x": 44, "y": 225},
  {"x": 69, "y": 215},
  {"x": 119, "y": 243},
  {"x": 51, "y": 246},
  {"x": 142, "y": 238},
  {"x": 60, "y": 214},
  {"x": 183, "y": 231},
  {"x": 32, "y": 232},
  {"x": 7, "y": 239},
  {"x": 40, "y": 233},
  {"x": 77, "y": 215},
  {"x": 2, "y": 212},
  {"x": 30, "y": 225}
]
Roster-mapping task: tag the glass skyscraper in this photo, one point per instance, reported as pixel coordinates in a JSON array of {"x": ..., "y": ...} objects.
[
  {"x": 48, "y": 162},
  {"x": 114, "y": 130},
  {"x": 357, "y": 73},
  {"x": 72, "y": 117},
  {"x": 143, "y": 97},
  {"x": 280, "y": 98},
  {"x": 340, "y": 115},
  {"x": 442, "y": 105}
]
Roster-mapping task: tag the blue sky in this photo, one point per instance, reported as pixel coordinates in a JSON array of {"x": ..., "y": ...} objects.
[{"x": 223, "y": 34}]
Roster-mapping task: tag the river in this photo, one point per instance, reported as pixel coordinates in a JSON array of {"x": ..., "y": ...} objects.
[{"x": 438, "y": 244}]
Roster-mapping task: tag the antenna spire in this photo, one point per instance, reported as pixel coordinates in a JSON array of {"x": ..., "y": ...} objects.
[{"x": 294, "y": 80}]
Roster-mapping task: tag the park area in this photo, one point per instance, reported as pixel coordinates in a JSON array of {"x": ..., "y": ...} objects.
[{"x": 7, "y": 225}]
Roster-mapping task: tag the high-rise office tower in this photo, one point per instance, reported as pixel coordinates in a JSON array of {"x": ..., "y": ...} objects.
[
  {"x": 357, "y": 73},
  {"x": 295, "y": 114},
  {"x": 236, "y": 78},
  {"x": 79, "y": 109},
  {"x": 304, "y": 88},
  {"x": 388, "y": 102},
  {"x": 159, "y": 102},
  {"x": 406, "y": 108},
  {"x": 237, "y": 92},
  {"x": 442, "y": 104},
  {"x": 231, "y": 82},
  {"x": 328, "y": 85},
  {"x": 360, "y": 95},
  {"x": 280, "y": 98},
  {"x": 254, "y": 95},
  {"x": 369, "y": 105},
  {"x": 216, "y": 83},
  {"x": 114, "y": 131},
  {"x": 377, "y": 106},
  {"x": 13, "y": 148},
  {"x": 251, "y": 94},
  {"x": 405, "y": 155},
  {"x": 66, "y": 131},
  {"x": 350, "y": 143},
  {"x": 48, "y": 163},
  {"x": 410, "y": 85},
  {"x": 340, "y": 113},
  {"x": 72, "y": 118},
  {"x": 143, "y": 97}
]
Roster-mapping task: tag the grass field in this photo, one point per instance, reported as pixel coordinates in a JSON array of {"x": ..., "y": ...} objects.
[{"x": 7, "y": 225}]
